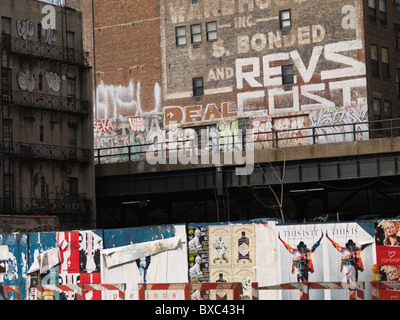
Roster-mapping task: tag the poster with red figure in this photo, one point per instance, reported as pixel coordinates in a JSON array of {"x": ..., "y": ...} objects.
[
  {"x": 80, "y": 257},
  {"x": 387, "y": 238}
]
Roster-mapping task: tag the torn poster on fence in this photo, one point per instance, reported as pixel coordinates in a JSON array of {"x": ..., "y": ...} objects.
[
  {"x": 4, "y": 253},
  {"x": 46, "y": 260},
  {"x": 120, "y": 255}
]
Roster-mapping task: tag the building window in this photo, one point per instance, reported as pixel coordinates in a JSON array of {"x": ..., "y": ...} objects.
[
  {"x": 73, "y": 191},
  {"x": 287, "y": 75},
  {"x": 42, "y": 186},
  {"x": 6, "y": 82},
  {"x": 385, "y": 63},
  {"x": 397, "y": 35},
  {"x": 5, "y": 25},
  {"x": 398, "y": 82},
  {"x": 180, "y": 35},
  {"x": 8, "y": 191},
  {"x": 195, "y": 31},
  {"x": 72, "y": 140},
  {"x": 376, "y": 105},
  {"x": 285, "y": 21},
  {"x": 382, "y": 12},
  {"x": 374, "y": 61},
  {"x": 198, "y": 87},
  {"x": 6, "y": 33},
  {"x": 387, "y": 109},
  {"x": 211, "y": 28},
  {"x": 71, "y": 92},
  {"x": 372, "y": 10},
  {"x": 41, "y": 133},
  {"x": 195, "y": 1},
  {"x": 40, "y": 82},
  {"x": 39, "y": 31},
  {"x": 70, "y": 45}
]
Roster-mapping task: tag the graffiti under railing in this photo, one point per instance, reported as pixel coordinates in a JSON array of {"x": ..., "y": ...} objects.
[{"x": 192, "y": 142}]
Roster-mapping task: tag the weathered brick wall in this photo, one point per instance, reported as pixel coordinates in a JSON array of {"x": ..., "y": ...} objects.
[
  {"x": 127, "y": 54},
  {"x": 242, "y": 67},
  {"x": 383, "y": 35}
]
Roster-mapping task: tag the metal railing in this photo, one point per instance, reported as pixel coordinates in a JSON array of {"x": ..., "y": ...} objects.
[
  {"x": 45, "y": 101},
  {"x": 42, "y": 50},
  {"x": 44, "y": 205},
  {"x": 45, "y": 151},
  {"x": 242, "y": 139}
]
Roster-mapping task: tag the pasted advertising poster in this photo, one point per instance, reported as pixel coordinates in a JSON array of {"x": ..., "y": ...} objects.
[
  {"x": 80, "y": 261},
  {"x": 90, "y": 245},
  {"x": 167, "y": 266},
  {"x": 332, "y": 252},
  {"x": 244, "y": 254},
  {"x": 387, "y": 237},
  {"x": 198, "y": 254},
  {"x": 233, "y": 255},
  {"x": 220, "y": 246},
  {"x": 231, "y": 252}
]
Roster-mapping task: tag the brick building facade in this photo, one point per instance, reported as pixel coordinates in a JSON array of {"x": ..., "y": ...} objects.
[{"x": 295, "y": 72}]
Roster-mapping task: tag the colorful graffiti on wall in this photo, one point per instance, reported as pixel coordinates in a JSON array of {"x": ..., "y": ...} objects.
[
  {"x": 268, "y": 253},
  {"x": 325, "y": 125}
]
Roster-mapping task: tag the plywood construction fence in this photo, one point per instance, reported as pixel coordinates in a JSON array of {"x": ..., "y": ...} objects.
[{"x": 266, "y": 252}]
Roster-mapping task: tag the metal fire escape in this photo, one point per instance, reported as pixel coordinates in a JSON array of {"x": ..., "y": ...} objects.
[
  {"x": 7, "y": 134},
  {"x": 13, "y": 100}
]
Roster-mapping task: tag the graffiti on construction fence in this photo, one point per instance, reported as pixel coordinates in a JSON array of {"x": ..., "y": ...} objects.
[{"x": 25, "y": 28}]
